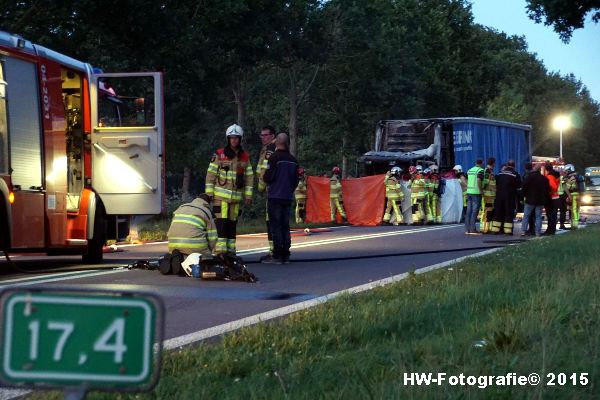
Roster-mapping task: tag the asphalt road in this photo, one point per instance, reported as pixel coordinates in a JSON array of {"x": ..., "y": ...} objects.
[{"x": 322, "y": 263}]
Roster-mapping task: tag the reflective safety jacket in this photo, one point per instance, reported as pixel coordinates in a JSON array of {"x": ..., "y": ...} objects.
[
  {"x": 417, "y": 187},
  {"x": 265, "y": 153},
  {"x": 335, "y": 188},
  {"x": 301, "y": 189},
  {"x": 573, "y": 182},
  {"x": 489, "y": 183},
  {"x": 193, "y": 228},
  {"x": 472, "y": 175},
  {"x": 393, "y": 190},
  {"x": 230, "y": 179}
]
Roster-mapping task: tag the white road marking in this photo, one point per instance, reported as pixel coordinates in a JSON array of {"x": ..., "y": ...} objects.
[
  {"x": 64, "y": 276},
  {"x": 218, "y": 330}
]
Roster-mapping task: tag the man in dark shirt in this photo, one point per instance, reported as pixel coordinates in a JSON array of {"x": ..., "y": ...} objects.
[{"x": 281, "y": 177}]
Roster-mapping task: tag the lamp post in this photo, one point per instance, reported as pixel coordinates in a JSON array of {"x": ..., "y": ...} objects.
[{"x": 561, "y": 122}]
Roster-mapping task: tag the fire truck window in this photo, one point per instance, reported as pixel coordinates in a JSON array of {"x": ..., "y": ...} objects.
[
  {"x": 3, "y": 126},
  {"x": 126, "y": 102}
]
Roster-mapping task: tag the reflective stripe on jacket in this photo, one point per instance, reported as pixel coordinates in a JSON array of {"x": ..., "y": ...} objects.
[
  {"x": 393, "y": 191},
  {"x": 472, "y": 176},
  {"x": 230, "y": 179},
  {"x": 300, "y": 192},
  {"x": 193, "y": 228}
]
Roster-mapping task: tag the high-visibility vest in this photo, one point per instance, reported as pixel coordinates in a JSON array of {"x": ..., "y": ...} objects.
[
  {"x": 489, "y": 184},
  {"x": 561, "y": 186},
  {"x": 393, "y": 191},
  {"x": 230, "y": 180},
  {"x": 472, "y": 187},
  {"x": 417, "y": 187},
  {"x": 193, "y": 228},
  {"x": 300, "y": 192},
  {"x": 335, "y": 188}
]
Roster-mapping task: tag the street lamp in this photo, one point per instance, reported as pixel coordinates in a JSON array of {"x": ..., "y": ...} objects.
[{"x": 561, "y": 122}]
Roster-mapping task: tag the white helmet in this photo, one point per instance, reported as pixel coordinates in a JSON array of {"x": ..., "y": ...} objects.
[
  {"x": 434, "y": 168},
  {"x": 427, "y": 171},
  {"x": 457, "y": 168},
  {"x": 420, "y": 168},
  {"x": 234, "y": 130},
  {"x": 396, "y": 171},
  {"x": 569, "y": 167}
]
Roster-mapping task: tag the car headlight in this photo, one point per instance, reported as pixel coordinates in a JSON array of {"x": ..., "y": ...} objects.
[{"x": 586, "y": 198}]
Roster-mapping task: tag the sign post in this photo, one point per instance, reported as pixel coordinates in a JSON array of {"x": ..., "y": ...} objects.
[{"x": 80, "y": 340}]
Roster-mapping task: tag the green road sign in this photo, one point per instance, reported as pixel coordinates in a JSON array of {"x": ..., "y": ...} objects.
[{"x": 66, "y": 338}]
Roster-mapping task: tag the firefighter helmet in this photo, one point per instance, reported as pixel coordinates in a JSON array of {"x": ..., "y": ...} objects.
[
  {"x": 336, "y": 170},
  {"x": 396, "y": 171},
  {"x": 234, "y": 130},
  {"x": 412, "y": 170},
  {"x": 569, "y": 168},
  {"x": 301, "y": 171},
  {"x": 458, "y": 168},
  {"x": 419, "y": 168}
]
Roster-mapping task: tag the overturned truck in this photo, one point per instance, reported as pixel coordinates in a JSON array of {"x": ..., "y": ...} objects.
[{"x": 445, "y": 142}]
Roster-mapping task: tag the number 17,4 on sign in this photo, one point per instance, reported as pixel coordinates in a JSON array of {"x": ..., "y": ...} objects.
[{"x": 66, "y": 338}]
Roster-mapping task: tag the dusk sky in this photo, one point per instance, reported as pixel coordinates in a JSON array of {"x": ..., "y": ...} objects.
[{"x": 581, "y": 56}]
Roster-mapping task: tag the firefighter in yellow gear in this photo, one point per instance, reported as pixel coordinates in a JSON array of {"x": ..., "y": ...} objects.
[
  {"x": 193, "y": 228},
  {"x": 300, "y": 196},
  {"x": 336, "y": 202},
  {"x": 489, "y": 196},
  {"x": 267, "y": 137},
  {"x": 429, "y": 218},
  {"x": 394, "y": 196},
  {"x": 435, "y": 204},
  {"x": 229, "y": 180},
  {"x": 572, "y": 189},
  {"x": 417, "y": 194}
]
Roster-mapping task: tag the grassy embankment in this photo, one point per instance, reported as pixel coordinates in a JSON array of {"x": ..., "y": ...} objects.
[{"x": 528, "y": 308}]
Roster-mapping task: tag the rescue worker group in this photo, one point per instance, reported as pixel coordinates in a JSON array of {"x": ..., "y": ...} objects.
[{"x": 207, "y": 225}]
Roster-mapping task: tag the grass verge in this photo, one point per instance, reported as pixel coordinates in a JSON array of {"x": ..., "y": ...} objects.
[{"x": 528, "y": 308}]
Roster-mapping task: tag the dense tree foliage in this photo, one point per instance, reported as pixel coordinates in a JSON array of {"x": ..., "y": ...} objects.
[
  {"x": 325, "y": 71},
  {"x": 564, "y": 16}
]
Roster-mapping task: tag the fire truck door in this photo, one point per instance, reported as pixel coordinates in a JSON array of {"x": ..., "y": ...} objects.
[
  {"x": 128, "y": 142},
  {"x": 26, "y": 151}
]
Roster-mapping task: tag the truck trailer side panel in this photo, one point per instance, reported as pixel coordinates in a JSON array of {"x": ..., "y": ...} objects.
[{"x": 473, "y": 140}]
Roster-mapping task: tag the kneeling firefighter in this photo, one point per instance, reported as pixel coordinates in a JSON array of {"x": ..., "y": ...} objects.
[{"x": 193, "y": 228}]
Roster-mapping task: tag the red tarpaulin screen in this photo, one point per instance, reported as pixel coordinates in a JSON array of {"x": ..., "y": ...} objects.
[
  {"x": 364, "y": 199},
  {"x": 317, "y": 199}
]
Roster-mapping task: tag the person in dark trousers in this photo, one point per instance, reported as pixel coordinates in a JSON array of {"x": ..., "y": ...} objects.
[
  {"x": 281, "y": 177},
  {"x": 553, "y": 202},
  {"x": 508, "y": 182},
  {"x": 535, "y": 190},
  {"x": 531, "y": 222}
]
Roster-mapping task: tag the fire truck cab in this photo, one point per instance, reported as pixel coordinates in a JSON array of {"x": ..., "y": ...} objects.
[{"x": 79, "y": 150}]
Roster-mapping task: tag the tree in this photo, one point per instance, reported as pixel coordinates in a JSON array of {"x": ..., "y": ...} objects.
[{"x": 565, "y": 16}]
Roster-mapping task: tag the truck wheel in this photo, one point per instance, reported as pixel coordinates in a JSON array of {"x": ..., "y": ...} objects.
[{"x": 95, "y": 245}]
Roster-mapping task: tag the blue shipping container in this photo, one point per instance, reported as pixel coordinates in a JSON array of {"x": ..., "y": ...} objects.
[{"x": 474, "y": 140}]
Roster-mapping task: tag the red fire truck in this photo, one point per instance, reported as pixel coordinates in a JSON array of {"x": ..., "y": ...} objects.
[{"x": 79, "y": 150}]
